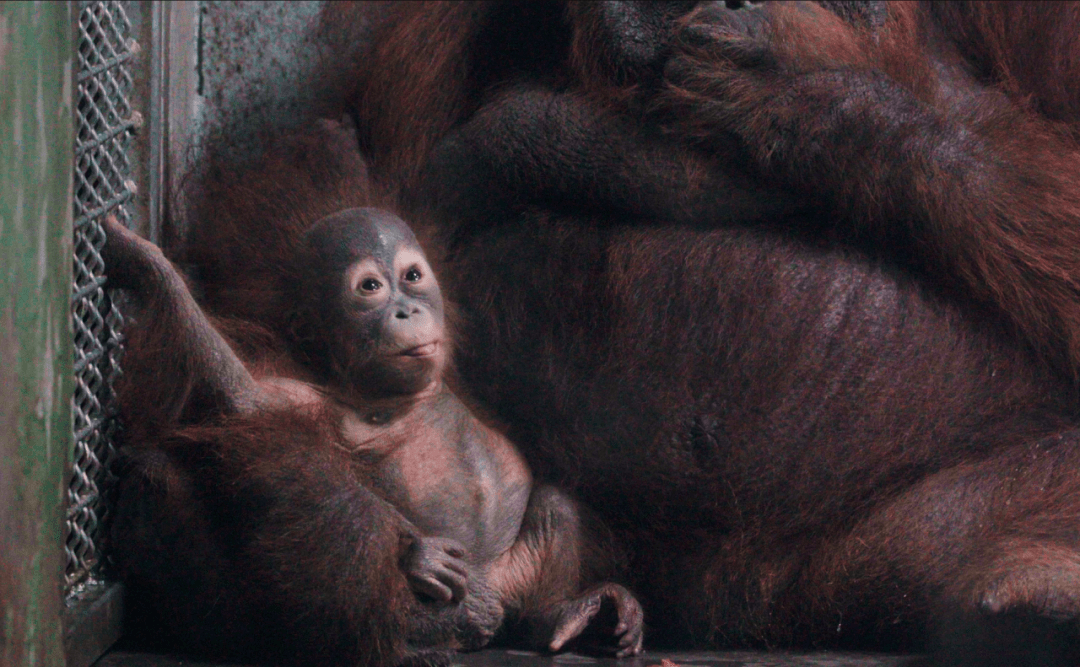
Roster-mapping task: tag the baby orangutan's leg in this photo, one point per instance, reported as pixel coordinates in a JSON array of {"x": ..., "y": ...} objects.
[{"x": 554, "y": 577}]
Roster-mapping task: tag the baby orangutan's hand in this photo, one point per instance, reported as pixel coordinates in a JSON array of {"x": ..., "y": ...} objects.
[{"x": 435, "y": 568}]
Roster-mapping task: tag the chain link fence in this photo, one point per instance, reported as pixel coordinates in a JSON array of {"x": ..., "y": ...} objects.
[{"x": 105, "y": 124}]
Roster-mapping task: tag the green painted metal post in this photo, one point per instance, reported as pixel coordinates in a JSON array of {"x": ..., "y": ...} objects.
[{"x": 35, "y": 328}]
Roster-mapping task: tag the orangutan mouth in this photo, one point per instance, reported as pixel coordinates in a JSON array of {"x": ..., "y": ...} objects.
[{"x": 425, "y": 350}]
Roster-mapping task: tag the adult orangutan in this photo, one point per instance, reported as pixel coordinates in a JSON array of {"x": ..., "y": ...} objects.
[{"x": 787, "y": 292}]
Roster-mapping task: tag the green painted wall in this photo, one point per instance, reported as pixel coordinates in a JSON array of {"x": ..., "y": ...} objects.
[{"x": 35, "y": 329}]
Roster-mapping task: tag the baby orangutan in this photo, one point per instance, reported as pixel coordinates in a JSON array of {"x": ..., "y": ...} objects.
[{"x": 483, "y": 548}]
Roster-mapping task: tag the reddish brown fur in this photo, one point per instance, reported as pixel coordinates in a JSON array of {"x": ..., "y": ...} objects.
[
  {"x": 244, "y": 586},
  {"x": 832, "y": 426},
  {"x": 1006, "y": 239},
  {"x": 1032, "y": 52},
  {"x": 437, "y": 62}
]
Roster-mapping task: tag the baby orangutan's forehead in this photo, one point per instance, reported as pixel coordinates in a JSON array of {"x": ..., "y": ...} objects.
[
  {"x": 387, "y": 242},
  {"x": 359, "y": 233}
]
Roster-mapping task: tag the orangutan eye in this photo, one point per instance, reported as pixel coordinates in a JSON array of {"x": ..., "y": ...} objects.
[
  {"x": 370, "y": 285},
  {"x": 413, "y": 275}
]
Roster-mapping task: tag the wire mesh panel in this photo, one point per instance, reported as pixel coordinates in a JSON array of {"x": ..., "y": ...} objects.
[{"x": 105, "y": 124}]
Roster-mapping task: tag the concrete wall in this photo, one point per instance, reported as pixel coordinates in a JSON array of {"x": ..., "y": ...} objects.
[{"x": 256, "y": 62}]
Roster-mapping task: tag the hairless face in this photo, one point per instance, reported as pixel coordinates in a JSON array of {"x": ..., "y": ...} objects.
[{"x": 368, "y": 291}]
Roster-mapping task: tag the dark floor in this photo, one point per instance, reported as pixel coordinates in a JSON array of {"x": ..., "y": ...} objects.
[{"x": 502, "y": 658}]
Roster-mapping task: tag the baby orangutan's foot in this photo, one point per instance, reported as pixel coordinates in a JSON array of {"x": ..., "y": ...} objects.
[{"x": 574, "y": 616}]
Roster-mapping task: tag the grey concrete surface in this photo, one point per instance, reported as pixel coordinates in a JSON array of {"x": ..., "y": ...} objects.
[{"x": 255, "y": 66}]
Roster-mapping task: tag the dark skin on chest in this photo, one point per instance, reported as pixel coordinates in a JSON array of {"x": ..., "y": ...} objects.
[{"x": 481, "y": 546}]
